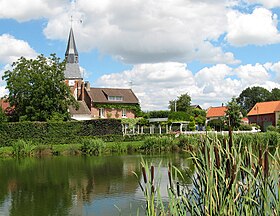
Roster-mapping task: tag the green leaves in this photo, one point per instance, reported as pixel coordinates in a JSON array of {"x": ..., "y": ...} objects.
[{"x": 37, "y": 88}]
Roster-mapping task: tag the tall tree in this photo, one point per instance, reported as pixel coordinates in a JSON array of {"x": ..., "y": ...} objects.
[
  {"x": 250, "y": 96},
  {"x": 37, "y": 90},
  {"x": 233, "y": 114},
  {"x": 182, "y": 103},
  {"x": 275, "y": 94}
]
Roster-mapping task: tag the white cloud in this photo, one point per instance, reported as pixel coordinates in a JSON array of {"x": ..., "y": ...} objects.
[
  {"x": 11, "y": 49},
  {"x": 252, "y": 74},
  {"x": 157, "y": 84},
  {"x": 258, "y": 28},
  {"x": 267, "y": 3},
  {"x": 25, "y": 10},
  {"x": 150, "y": 32}
]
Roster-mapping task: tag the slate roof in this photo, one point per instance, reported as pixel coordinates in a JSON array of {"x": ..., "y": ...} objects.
[
  {"x": 83, "y": 109},
  {"x": 216, "y": 112},
  {"x": 100, "y": 95},
  {"x": 265, "y": 108},
  {"x": 72, "y": 71}
]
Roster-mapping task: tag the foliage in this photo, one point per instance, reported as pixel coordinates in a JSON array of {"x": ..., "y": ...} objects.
[
  {"x": 3, "y": 116},
  {"x": 130, "y": 122},
  {"x": 233, "y": 114},
  {"x": 275, "y": 94},
  {"x": 37, "y": 88},
  {"x": 245, "y": 127},
  {"x": 271, "y": 128},
  {"x": 178, "y": 116},
  {"x": 92, "y": 146},
  {"x": 158, "y": 114},
  {"x": 217, "y": 124},
  {"x": 191, "y": 125},
  {"x": 250, "y": 96},
  {"x": 230, "y": 179},
  {"x": 57, "y": 132},
  {"x": 182, "y": 103},
  {"x": 135, "y": 107}
]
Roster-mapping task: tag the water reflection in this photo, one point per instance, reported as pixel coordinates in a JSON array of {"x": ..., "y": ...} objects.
[{"x": 76, "y": 185}]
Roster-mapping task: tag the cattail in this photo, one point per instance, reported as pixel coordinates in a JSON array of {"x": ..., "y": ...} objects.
[
  {"x": 217, "y": 156},
  {"x": 230, "y": 138},
  {"x": 266, "y": 164},
  {"x": 152, "y": 174},
  {"x": 260, "y": 156},
  {"x": 152, "y": 189},
  {"x": 144, "y": 175},
  {"x": 227, "y": 168},
  {"x": 178, "y": 189},
  {"x": 233, "y": 174}
]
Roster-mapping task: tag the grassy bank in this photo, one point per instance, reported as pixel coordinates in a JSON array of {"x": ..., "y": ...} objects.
[{"x": 128, "y": 144}]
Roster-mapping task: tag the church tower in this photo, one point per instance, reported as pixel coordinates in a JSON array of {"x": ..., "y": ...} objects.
[{"x": 72, "y": 71}]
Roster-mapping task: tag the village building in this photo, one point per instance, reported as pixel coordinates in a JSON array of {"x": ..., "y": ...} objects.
[
  {"x": 265, "y": 114},
  {"x": 215, "y": 113},
  {"x": 95, "y": 102}
]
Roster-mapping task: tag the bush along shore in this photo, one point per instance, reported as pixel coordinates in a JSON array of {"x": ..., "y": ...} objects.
[
  {"x": 147, "y": 144},
  {"x": 230, "y": 179}
]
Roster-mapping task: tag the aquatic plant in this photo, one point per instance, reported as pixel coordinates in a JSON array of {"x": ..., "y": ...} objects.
[{"x": 230, "y": 179}]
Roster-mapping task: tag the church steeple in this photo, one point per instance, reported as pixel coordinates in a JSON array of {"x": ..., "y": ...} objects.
[
  {"x": 72, "y": 71},
  {"x": 71, "y": 53}
]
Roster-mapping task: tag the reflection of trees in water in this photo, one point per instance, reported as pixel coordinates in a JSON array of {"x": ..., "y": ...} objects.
[
  {"x": 47, "y": 186},
  {"x": 57, "y": 185}
]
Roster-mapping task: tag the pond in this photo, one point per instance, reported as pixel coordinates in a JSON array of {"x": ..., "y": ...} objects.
[{"x": 103, "y": 185}]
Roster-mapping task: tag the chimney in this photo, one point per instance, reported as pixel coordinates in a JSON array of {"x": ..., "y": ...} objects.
[{"x": 87, "y": 86}]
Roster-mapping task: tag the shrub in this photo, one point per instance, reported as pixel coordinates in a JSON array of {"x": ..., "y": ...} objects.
[
  {"x": 92, "y": 146},
  {"x": 245, "y": 127},
  {"x": 57, "y": 132}
]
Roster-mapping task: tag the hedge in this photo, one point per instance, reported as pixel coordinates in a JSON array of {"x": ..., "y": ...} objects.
[{"x": 57, "y": 132}]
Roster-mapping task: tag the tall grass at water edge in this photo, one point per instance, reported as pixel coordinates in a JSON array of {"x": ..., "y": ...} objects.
[{"x": 230, "y": 179}]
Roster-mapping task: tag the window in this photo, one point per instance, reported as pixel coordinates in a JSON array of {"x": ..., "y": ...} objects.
[
  {"x": 115, "y": 98},
  {"x": 124, "y": 113},
  {"x": 101, "y": 113}
]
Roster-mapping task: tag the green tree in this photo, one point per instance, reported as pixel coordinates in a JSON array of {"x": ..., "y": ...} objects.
[
  {"x": 182, "y": 103},
  {"x": 3, "y": 116},
  {"x": 275, "y": 94},
  {"x": 233, "y": 114},
  {"x": 252, "y": 95},
  {"x": 37, "y": 90}
]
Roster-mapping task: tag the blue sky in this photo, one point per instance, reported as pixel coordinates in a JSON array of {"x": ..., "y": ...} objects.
[{"x": 211, "y": 49}]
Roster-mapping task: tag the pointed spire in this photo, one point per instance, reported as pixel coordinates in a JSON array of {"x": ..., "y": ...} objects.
[
  {"x": 71, "y": 53},
  {"x": 72, "y": 70}
]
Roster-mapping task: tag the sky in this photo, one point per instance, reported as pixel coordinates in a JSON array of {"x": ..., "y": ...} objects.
[{"x": 210, "y": 49}]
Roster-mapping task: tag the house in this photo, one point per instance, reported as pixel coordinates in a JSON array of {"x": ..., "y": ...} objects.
[
  {"x": 196, "y": 106},
  {"x": 215, "y": 113},
  {"x": 265, "y": 114},
  {"x": 95, "y": 102}
]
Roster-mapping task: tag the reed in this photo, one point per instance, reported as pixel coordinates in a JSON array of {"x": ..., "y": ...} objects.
[{"x": 230, "y": 179}]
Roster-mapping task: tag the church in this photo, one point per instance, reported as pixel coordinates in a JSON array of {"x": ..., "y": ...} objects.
[{"x": 95, "y": 102}]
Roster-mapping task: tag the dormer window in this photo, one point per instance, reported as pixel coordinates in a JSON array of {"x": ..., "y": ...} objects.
[{"x": 115, "y": 98}]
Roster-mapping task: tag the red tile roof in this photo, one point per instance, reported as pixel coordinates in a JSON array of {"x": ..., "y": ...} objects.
[
  {"x": 216, "y": 112},
  {"x": 265, "y": 108}
]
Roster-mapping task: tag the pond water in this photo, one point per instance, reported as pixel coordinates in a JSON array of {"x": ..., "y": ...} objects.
[{"x": 79, "y": 185}]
